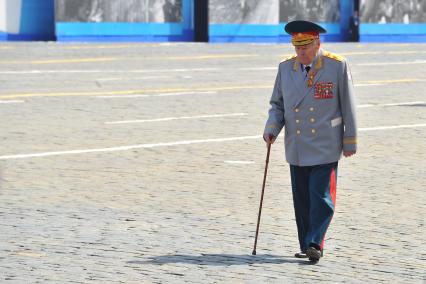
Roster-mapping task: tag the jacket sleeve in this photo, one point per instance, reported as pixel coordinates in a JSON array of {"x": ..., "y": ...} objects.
[
  {"x": 275, "y": 121},
  {"x": 347, "y": 106}
]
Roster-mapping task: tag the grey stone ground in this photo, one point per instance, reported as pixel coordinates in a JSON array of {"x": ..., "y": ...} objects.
[{"x": 180, "y": 214}]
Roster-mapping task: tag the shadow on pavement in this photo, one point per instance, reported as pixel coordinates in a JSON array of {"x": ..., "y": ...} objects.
[{"x": 216, "y": 259}]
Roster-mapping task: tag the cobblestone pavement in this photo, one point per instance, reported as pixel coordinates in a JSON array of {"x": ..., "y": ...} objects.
[{"x": 180, "y": 205}]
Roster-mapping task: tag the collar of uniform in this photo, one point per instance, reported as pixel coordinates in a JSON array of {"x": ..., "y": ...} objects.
[
  {"x": 318, "y": 64},
  {"x": 296, "y": 64}
]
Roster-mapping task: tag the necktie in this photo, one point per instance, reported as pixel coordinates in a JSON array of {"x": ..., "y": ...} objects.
[{"x": 307, "y": 68}]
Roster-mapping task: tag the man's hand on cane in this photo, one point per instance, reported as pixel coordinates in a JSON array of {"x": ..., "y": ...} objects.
[{"x": 269, "y": 138}]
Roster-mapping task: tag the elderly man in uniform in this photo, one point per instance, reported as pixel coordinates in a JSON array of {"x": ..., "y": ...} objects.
[{"x": 313, "y": 99}]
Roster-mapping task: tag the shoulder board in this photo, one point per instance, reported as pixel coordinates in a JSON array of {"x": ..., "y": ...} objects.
[
  {"x": 333, "y": 56},
  {"x": 288, "y": 58}
]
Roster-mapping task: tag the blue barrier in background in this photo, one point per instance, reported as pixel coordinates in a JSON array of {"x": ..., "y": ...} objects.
[
  {"x": 122, "y": 32},
  {"x": 243, "y": 33},
  {"x": 152, "y": 32},
  {"x": 36, "y": 22},
  {"x": 393, "y": 32},
  {"x": 263, "y": 33}
]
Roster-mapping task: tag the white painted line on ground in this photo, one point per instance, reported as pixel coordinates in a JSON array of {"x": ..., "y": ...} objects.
[
  {"x": 392, "y": 127},
  {"x": 109, "y": 71},
  {"x": 351, "y": 64},
  {"x": 123, "y": 96},
  {"x": 257, "y": 68},
  {"x": 176, "y": 118},
  {"x": 405, "y": 104},
  {"x": 192, "y": 69},
  {"x": 12, "y": 102},
  {"x": 239, "y": 114},
  {"x": 185, "y": 93},
  {"x": 368, "y": 85},
  {"x": 153, "y": 95},
  {"x": 130, "y": 147},
  {"x": 387, "y": 82},
  {"x": 239, "y": 162},
  {"x": 390, "y": 63},
  {"x": 393, "y": 104},
  {"x": 132, "y": 78},
  {"x": 176, "y": 143}
]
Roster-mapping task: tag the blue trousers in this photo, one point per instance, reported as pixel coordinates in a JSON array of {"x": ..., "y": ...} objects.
[{"x": 314, "y": 199}]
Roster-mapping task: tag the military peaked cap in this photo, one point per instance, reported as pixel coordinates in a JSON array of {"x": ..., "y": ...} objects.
[{"x": 303, "y": 32}]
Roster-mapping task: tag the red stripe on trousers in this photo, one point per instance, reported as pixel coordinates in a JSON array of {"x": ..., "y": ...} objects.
[
  {"x": 333, "y": 187},
  {"x": 332, "y": 194}
]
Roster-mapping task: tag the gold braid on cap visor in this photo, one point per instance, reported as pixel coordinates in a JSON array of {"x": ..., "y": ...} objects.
[{"x": 299, "y": 39}]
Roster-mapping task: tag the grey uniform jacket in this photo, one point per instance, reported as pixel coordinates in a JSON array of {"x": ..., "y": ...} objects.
[{"x": 318, "y": 110}]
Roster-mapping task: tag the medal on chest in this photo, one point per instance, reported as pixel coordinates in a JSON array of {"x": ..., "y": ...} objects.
[
  {"x": 311, "y": 76},
  {"x": 323, "y": 90}
]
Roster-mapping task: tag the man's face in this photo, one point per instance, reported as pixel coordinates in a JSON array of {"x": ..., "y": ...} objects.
[{"x": 307, "y": 53}]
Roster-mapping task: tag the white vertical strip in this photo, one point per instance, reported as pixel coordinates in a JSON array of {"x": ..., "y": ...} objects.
[
  {"x": 12, "y": 16},
  {"x": 2, "y": 15}
]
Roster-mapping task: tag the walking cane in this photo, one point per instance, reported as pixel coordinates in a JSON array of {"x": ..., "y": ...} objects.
[{"x": 261, "y": 198}]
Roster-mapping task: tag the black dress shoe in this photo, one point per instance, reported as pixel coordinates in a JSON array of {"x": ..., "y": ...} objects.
[
  {"x": 300, "y": 255},
  {"x": 313, "y": 254}
]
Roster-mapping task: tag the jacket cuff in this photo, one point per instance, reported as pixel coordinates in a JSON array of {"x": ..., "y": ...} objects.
[
  {"x": 272, "y": 129},
  {"x": 349, "y": 144}
]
